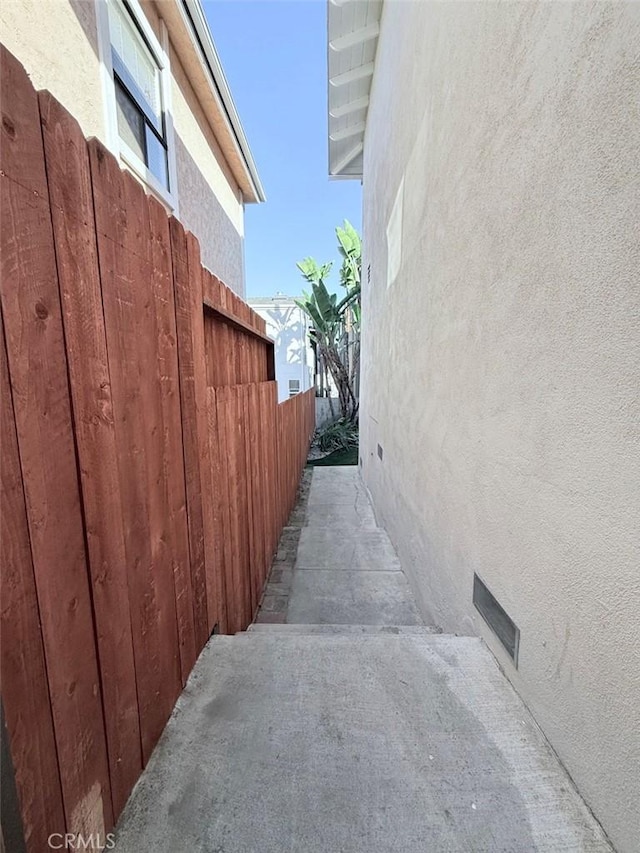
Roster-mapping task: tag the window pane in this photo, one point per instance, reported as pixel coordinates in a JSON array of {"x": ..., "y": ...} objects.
[
  {"x": 135, "y": 55},
  {"x": 131, "y": 123},
  {"x": 157, "y": 158}
]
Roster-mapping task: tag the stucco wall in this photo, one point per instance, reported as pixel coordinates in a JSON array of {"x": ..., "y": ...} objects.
[
  {"x": 288, "y": 327},
  {"x": 501, "y": 364},
  {"x": 57, "y": 42},
  {"x": 210, "y": 200}
]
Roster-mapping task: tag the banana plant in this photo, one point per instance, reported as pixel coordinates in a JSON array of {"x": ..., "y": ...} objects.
[{"x": 336, "y": 324}]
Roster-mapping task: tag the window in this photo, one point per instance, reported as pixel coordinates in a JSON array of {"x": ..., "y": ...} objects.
[
  {"x": 136, "y": 76},
  {"x": 294, "y": 387}
]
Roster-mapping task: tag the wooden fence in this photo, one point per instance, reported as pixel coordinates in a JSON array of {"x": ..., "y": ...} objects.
[{"x": 147, "y": 469}]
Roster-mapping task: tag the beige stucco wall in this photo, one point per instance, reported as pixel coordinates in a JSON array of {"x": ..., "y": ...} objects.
[
  {"x": 57, "y": 42},
  {"x": 216, "y": 217},
  {"x": 501, "y": 366},
  {"x": 210, "y": 201}
]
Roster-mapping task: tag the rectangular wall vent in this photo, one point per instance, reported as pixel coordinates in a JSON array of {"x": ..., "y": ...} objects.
[
  {"x": 379, "y": 452},
  {"x": 496, "y": 618}
]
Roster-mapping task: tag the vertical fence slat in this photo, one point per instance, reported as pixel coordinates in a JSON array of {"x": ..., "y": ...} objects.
[
  {"x": 187, "y": 281},
  {"x": 227, "y": 412},
  {"x": 243, "y": 502},
  {"x": 225, "y": 437},
  {"x": 273, "y": 465},
  {"x": 196, "y": 275},
  {"x": 24, "y": 678},
  {"x": 214, "y": 517},
  {"x": 38, "y": 376},
  {"x": 249, "y": 486},
  {"x": 71, "y": 196},
  {"x": 160, "y": 622},
  {"x": 240, "y": 491},
  {"x": 189, "y": 589},
  {"x": 130, "y": 325},
  {"x": 264, "y": 474},
  {"x": 193, "y": 384}
]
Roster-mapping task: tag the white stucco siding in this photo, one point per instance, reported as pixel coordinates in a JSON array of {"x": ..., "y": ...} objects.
[
  {"x": 501, "y": 367},
  {"x": 288, "y": 326}
]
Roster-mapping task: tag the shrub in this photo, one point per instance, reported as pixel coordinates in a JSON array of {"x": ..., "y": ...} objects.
[{"x": 340, "y": 435}]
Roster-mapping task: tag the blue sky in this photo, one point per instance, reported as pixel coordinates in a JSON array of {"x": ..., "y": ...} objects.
[{"x": 274, "y": 56}]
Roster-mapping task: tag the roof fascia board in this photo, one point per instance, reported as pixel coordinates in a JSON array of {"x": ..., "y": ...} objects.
[{"x": 196, "y": 23}]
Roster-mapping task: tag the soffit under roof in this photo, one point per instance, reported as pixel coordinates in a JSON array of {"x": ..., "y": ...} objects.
[{"x": 353, "y": 27}]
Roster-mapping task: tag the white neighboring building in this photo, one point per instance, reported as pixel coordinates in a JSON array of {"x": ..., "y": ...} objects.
[{"x": 288, "y": 325}]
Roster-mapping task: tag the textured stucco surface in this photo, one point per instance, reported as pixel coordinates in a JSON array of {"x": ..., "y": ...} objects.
[
  {"x": 63, "y": 57},
  {"x": 289, "y": 328},
  {"x": 210, "y": 202},
  {"x": 57, "y": 42},
  {"x": 501, "y": 365},
  {"x": 202, "y": 213}
]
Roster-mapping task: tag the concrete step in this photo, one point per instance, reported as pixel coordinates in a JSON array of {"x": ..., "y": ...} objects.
[
  {"x": 340, "y": 742},
  {"x": 393, "y": 630}
]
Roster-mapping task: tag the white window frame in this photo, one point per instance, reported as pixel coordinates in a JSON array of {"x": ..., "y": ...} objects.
[
  {"x": 293, "y": 393},
  {"x": 160, "y": 51}
]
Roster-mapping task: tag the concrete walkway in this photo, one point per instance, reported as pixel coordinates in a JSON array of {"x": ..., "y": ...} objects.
[{"x": 352, "y": 728}]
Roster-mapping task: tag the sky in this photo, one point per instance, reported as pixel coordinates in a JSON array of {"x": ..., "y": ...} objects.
[{"x": 274, "y": 57}]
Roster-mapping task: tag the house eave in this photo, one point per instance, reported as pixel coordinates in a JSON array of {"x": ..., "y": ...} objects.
[
  {"x": 353, "y": 27},
  {"x": 247, "y": 175}
]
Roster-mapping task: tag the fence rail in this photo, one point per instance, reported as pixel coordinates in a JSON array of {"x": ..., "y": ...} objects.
[{"x": 147, "y": 469}]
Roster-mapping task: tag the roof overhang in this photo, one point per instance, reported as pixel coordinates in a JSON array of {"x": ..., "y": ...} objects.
[
  {"x": 353, "y": 27},
  {"x": 191, "y": 38}
]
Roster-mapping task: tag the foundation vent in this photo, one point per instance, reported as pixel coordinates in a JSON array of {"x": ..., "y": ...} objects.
[{"x": 496, "y": 618}]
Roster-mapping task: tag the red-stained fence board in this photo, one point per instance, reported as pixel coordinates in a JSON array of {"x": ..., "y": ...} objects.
[
  {"x": 199, "y": 570},
  {"x": 38, "y": 376},
  {"x": 187, "y": 280},
  {"x": 247, "y": 413},
  {"x": 130, "y": 329},
  {"x": 190, "y": 601},
  {"x": 25, "y": 690},
  {"x": 230, "y": 553},
  {"x": 71, "y": 198},
  {"x": 217, "y": 543},
  {"x": 227, "y": 400}
]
